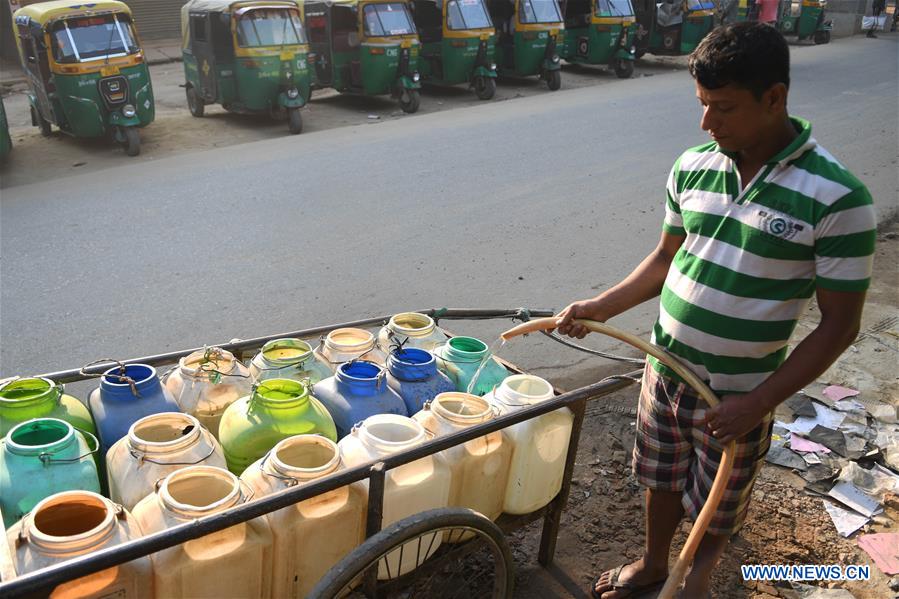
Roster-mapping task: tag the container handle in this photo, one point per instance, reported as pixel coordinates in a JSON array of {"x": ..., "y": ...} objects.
[
  {"x": 48, "y": 460},
  {"x": 287, "y": 480},
  {"x": 251, "y": 492},
  {"x": 141, "y": 457}
]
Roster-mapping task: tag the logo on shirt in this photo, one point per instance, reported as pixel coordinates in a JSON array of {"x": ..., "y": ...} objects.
[{"x": 779, "y": 226}]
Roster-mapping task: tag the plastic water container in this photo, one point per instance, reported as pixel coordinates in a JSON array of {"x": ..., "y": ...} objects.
[
  {"x": 155, "y": 446},
  {"x": 117, "y": 404},
  {"x": 277, "y": 409},
  {"x": 310, "y": 537},
  {"x": 415, "y": 487},
  {"x": 464, "y": 359},
  {"x": 28, "y": 398},
  {"x": 343, "y": 345},
  {"x": 480, "y": 467},
  {"x": 288, "y": 359},
  {"x": 540, "y": 445},
  {"x": 206, "y": 382},
  {"x": 41, "y": 457},
  {"x": 413, "y": 374},
  {"x": 358, "y": 390},
  {"x": 76, "y": 523},
  {"x": 234, "y": 562},
  {"x": 410, "y": 329}
]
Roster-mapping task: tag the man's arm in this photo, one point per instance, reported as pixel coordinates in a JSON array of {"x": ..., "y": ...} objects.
[
  {"x": 644, "y": 283},
  {"x": 841, "y": 313}
]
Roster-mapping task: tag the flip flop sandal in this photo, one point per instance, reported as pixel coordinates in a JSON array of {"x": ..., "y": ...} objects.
[{"x": 625, "y": 588}]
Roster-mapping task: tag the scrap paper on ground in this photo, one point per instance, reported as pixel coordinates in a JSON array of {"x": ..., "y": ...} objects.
[
  {"x": 845, "y": 521},
  {"x": 884, "y": 550}
]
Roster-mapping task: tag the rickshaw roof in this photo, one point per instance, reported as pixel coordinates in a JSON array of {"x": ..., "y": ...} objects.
[
  {"x": 225, "y": 5},
  {"x": 343, "y": 2},
  {"x": 45, "y": 12}
]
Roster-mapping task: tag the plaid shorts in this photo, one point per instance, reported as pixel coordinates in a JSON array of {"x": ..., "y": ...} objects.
[{"x": 674, "y": 452}]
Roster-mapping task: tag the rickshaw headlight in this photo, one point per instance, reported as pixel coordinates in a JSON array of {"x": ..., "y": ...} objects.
[
  {"x": 288, "y": 74},
  {"x": 555, "y": 58},
  {"x": 416, "y": 77},
  {"x": 492, "y": 66},
  {"x": 128, "y": 111},
  {"x": 292, "y": 93}
]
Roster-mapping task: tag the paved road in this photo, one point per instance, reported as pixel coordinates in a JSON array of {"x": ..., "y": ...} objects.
[{"x": 533, "y": 202}]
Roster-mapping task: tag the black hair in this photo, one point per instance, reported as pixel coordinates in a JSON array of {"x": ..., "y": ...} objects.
[{"x": 753, "y": 56}]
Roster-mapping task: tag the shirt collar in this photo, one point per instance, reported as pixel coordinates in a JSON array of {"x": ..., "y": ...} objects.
[{"x": 803, "y": 142}]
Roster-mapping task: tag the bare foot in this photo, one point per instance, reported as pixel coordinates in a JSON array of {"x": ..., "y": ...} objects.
[{"x": 632, "y": 580}]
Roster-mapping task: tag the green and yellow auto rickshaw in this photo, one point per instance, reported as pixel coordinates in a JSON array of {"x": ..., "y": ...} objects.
[
  {"x": 458, "y": 44},
  {"x": 673, "y": 27},
  {"x": 249, "y": 56},
  {"x": 804, "y": 19},
  {"x": 367, "y": 47},
  {"x": 530, "y": 34},
  {"x": 85, "y": 69},
  {"x": 5, "y": 139},
  {"x": 600, "y": 32}
]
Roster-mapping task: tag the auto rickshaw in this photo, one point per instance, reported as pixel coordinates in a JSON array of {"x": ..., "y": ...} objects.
[
  {"x": 5, "y": 139},
  {"x": 458, "y": 44},
  {"x": 530, "y": 33},
  {"x": 85, "y": 69},
  {"x": 248, "y": 56},
  {"x": 367, "y": 47},
  {"x": 672, "y": 27},
  {"x": 804, "y": 19},
  {"x": 600, "y": 32}
]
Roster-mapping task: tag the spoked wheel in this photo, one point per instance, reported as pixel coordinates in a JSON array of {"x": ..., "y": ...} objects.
[
  {"x": 554, "y": 79},
  {"x": 194, "y": 102},
  {"x": 484, "y": 87},
  {"x": 410, "y": 100},
  {"x": 132, "y": 141},
  {"x": 410, "y": 564},
  {"x": 624, "y": 68},
  {"x": 294, "y": 120}
]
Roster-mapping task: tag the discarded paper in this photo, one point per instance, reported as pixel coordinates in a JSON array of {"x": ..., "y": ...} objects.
[{"x": 845, "y": 521}]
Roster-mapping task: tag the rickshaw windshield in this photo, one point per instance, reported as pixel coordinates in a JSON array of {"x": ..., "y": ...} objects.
[
  {"x": 540, "y": 11},
  {"x": 269, "y": 27},
  {"x": 614, "y": 8},
  {"x": 388, "y": 18},
  {"x": 467, "y": 14},
  {"x": 700, "y": 5},
  {"x": 90, "y": 38}
]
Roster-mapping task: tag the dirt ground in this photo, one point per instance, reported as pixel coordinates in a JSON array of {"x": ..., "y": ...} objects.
[{"x": 603, "y": 524}]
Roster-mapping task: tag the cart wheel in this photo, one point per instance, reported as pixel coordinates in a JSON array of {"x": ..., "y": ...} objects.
[
  {"x": 484, "y": 572},
  {"x": 554, "y": 79},
  {"x": 822, "y": 37},
  {"x": 294, "y": 121},
  {"x": 38, "y": 119},
  {"x": 624, "y": 68},
  {"x": 484, "y": 87},
  {"x": 132, "y": 141},
  {"x": 639, "y": 52},
  {"x": 194, "y": 102},
  {"x": 410, "y": 100}
]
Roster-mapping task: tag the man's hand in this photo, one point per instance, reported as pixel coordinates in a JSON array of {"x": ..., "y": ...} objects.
[
  {"x": 735, "y": 416},
  {"x": 589, "y": 309}
]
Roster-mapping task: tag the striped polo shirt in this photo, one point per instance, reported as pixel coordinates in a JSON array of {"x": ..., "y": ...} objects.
[{"x": 752, "y": 259}]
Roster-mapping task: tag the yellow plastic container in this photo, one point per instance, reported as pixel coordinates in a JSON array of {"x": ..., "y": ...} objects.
[
  {"x": 206, "y": 382},
  {"x": 288, "y": 358},
  {"x": 479, "y": 468},
  {"x": 540, "y": 444},
  {"x": 310, "y": 537},
  {"x": 155, "y": 446},
  {"x": 235, "y": 562},
  {"x": 421, "y": 485},
  {"x": 343, "y": 345},
  {"x": 411, "y": 329},
  {"x": 75, "y": 523}
]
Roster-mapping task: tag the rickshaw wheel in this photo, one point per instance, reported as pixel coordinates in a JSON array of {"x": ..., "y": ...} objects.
[
  {"x": 410, "y": 100},
  {"x": 294, "y": 121},
  {"x": 41, "y": 122},
  {"x": 194, "y": 102},
  {"x": 554, "y": 79},
  {"x": 624, "y": 68},
  {"x": 484, "y": 87},
  {"x": 132, "y": 141},
  {"x": 822, "y": 37}
]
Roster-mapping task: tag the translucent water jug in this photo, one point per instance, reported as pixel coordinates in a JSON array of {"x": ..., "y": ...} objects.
[
  {"x": 343, "y": 345},
  {"x": 358, "y": 390},
  {"x": 76, "y": 523},
  {"x": 480, "y": 467},
  {"x": 540, "y": 444},
  {"x": 22, "y": 399},
  {"x": 288, "y": 359},
  {"x": 206, "y": 382},
  {"x": 155, "y": 446},
  {"x": 415, "y": 487},
  {"x": 41, "y": 457},
  {"x": 234, "y": 562},
  {"x": 275, "y": 410},
  {"x": 310, "y": 537},
  {"x": 410, "y": 329},
  {"x": 413, "y": 374},
  {"x": 466, "y": 359},
  {"x": 125, "y": 395}
]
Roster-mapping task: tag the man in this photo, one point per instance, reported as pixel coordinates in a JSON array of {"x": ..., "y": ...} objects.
[
  {"x": 876, "y": 8},
  {"x": 756, "y": 222}
]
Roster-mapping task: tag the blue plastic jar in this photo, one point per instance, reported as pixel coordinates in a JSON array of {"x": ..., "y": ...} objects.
[
  {"x": 356, "y": 391},
  {"x": 116, "y": 404},
  {"x": 413, "y": 374}
]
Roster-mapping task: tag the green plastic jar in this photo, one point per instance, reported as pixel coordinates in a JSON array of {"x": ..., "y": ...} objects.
[
  {"x": 466, "y": 359},
  {"x": 25, "y": 399}
]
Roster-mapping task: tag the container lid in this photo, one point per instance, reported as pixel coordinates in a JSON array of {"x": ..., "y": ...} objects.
[{"x": 71, "y": 521}]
